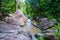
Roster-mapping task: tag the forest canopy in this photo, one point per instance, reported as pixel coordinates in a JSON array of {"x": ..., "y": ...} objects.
[
  {"x": 7, "y": 6},
  {"x": 33, "y": 8},
  {"x": 42, "y": 8}
]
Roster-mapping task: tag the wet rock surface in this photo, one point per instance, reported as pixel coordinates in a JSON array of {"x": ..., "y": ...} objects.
[
  {"x": 13, "y": 32},
  {"x": 12, "y": 28},
  {"x": 47, "y": 23}
]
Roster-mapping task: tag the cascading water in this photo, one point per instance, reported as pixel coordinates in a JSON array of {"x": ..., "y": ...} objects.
[
  {"x": 31, "y": 28},
  {"x": 28, "y": 25}
]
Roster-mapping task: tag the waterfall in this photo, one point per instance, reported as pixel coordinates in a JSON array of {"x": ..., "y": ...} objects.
[{"x": 28, "y": 25}]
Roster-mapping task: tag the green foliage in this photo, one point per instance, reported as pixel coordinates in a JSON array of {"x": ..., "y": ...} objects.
[
  {"x": 33, "y": 8},
  {"x": 7, "y": 6},
  {"x": 57, "y": 34},
  {"x": 57, "y": 30},
  {"x": 40, "y": 38},
  {"x": 43, "y": 8}
]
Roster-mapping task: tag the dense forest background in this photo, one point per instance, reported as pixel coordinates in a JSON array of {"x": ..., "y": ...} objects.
[
  {"x": 41, "y": 8},
  {"x": 33, "y": 8}
]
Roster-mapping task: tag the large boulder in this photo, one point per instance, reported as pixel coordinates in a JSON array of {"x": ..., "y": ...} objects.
[
  {"x": 47, "y": 23},
  {"x": 18, "y": 18},
  {"x": 47, "y": 35},
  {"x": 13, "y": 27},
  {"x": 13, "y": 32}
]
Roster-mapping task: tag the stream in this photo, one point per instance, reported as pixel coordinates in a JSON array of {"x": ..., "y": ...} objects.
[{"x": 30, "y": 27}]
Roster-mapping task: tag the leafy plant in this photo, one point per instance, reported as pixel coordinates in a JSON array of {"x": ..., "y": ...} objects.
[
  {"x": 7, "y": 6},
  {"x": 40, "y": 38}
]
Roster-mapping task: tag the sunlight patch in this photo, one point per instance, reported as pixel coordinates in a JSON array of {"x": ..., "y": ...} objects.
[{"x": 22, "y": 0}]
